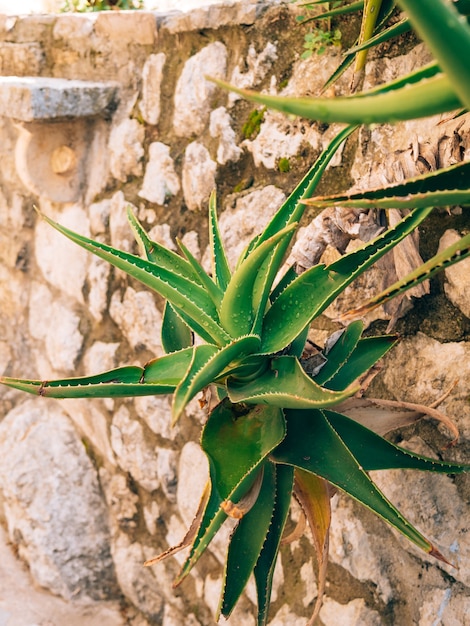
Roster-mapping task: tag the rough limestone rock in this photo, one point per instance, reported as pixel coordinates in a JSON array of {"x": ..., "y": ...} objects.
[
  {"x": 53, "y": 506},
  {"x": 152, "y": 75},
  {"x": 138, "y": 318},
  {"x": 160, "y": 180},
  {"x": 62, "y": 263},
  {"x": 220, "y": 126},
  {"x": 193, "y": 94},
  {"x": 456, "y": 285},
  {"x": 125, "y": 149},
  {"x": 280, "y": 138},
  {"x": 198, "y": 176},
  {"x": 59, "y": 330},
  {"x": 354, "y": 613}
]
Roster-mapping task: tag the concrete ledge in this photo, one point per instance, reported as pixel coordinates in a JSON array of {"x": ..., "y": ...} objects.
[{"x": 35, "y": 99}]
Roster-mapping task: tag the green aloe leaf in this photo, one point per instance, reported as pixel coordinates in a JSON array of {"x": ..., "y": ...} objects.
[
  {"x": 370, "y": 16},
  {"x": 451, "y": 255},
  {"x": 368, "y": 351},
  {"x": 441, "y": 188},
  {"x": 212, "y": 289},
  {"x": 170, "y": 368},
  {"x": 117, "y": 383},
  {"x": 373, "y": 452},
  {"x": 158, "y": 254},
  {"x": 179, "y": 290},
  {"x": 284, "y": 385},
  {"x": 264, "y": 568},
  {"x": 312, "y": 444},
  {"x": 247, "y": 542},
  {"x": 344, "y": 9},
  {"x": 176, "y": 334},
  {"x": 400, "y": 28},
  {"x": 398, "y": 101},
  {"x": 238, "y": 308},
  {"x": 447, "y": 34},
  {"x": 339, "y": 353},
  {"x": 310, "y": 293},
  {"x": 289, "y": 213},
  {"x": 236, "y": 440},
  {"x": 220, "y": 268},
  {"x": 208, "y": 364}
]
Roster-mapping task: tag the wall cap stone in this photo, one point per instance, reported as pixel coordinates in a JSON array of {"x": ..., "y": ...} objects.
[{"x": 33, "y": 98}]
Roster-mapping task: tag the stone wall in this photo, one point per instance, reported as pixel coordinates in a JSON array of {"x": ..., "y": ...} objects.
[{"x": 91, "y": 488}]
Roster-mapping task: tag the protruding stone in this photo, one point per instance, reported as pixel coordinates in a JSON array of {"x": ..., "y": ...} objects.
[
  {"x": 193, "y": 94},
  {"x": 456, "y": 285},
  {"x": 32, "y": 99},
  {"x": 133, "y": 453},
  {"x": 152, "y": 75},
  {"x": 125, "y": 149},
  {"x": 198, "y": 176},
  {"x": 59, "y": 330},
  {"x": 138, "y": 318},
  {"x": 53, "y": 505},
  {"x": 220, "y": 126},
  {"x": 114, "y": 25},
  {"x": 63, "y": 263},
  {"x": 354, "y": 613},
  {"x": 160, "y": 180}
]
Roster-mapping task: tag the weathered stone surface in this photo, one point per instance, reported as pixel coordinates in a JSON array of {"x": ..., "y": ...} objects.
[
  {"x": 280, "y": 138},
  {"x": 21, "y": 59},
  {"x": 350, "y": 547},
  {"x": 456, "y": 285},
  {"x": 211, "y": 16},
  {"x": 220, "y": 126},
  {"x": 23, "y": 602},
  {"x": 115, "y": 27},
  {"x": 133, "y": 453},
  {"x": 138, "y": 318},
  {"x": 30, "y": 99},
  {"x": 420, "y": 369},
  {"x": 138, "y": 583},
  {"x": 156, "y": 412},
  {"x": 254, "y": 70},
  {"x": 152, "y": 75},
  {"x": 198, "y": 176},
  {"x": 125, "y": 149},
  {"x": 193, "y": 94},
  {"x": 160, "y": 180},
  {"x": 58, "y": 329},
  {"x": 63, "y": 263},
  {"x": 52, "y": 502},
  {"x": 354, "y": 613},
  {"x": 70, "y": 27},
  {"x": 98, "y": 283}
]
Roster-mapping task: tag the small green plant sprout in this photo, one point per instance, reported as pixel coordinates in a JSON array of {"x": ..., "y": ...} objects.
[
  {"x": 318, "y": 40},
  {"x": 283, "y": 165},
  {"x": 278, "y": 428},
  {"x": 253, "y": 124}
]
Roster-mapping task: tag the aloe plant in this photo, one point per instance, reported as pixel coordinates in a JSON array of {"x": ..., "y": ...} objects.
[{"x": 277, "y": 429}]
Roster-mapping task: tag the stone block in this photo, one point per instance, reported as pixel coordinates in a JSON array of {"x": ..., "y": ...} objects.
[
  {"x": 21, "y": 59},
  {"x": 115, "y": 26},
  {"x": 34, "y": 98}
]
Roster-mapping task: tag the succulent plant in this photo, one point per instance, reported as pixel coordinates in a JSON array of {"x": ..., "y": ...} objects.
[{"x": 277, "y": 429}]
